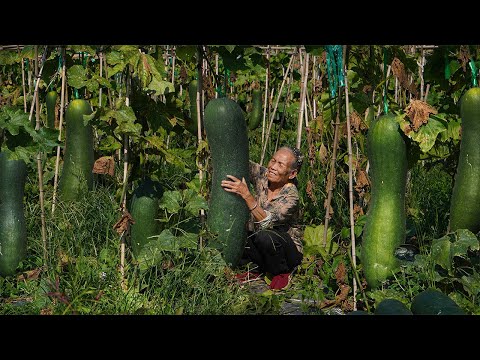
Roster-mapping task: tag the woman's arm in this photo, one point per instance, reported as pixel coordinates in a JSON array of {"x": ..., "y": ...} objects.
[{"x": 240, "y": 187}]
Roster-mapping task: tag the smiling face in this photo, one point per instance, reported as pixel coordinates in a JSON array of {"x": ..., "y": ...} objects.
[{"x": 279, "y": 168}]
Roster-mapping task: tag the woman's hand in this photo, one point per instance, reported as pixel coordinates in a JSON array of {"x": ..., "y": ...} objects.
[{"x": 236, "y": 186}]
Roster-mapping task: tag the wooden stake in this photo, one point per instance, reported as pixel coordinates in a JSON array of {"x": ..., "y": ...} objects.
[
  {"x": 332, "y": 167},
  {"x": 199, "y": 130},
  {"x": 173, "y": 66},
  {"x": 23, "y": 84},
  {"x": 303, "y": 93},
  {"x": 274, "y": 110},
  {"x": 60, "y": 124},
  {"x": 125, "y": 183},
  {"x": 39, "y": 155},
  {"x": 265, "y": 105},
  {"x": 216, "y": 72},
  {"x": 350, "y": 179}
]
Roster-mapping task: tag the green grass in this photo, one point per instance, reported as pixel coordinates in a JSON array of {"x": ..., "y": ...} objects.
[{"x": 82, "y": 274}]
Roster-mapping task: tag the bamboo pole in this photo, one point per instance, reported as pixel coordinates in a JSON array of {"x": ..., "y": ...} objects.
[
  {"x": 267, "y": 76},
  {"x": 60, "y": 124},
  {"x": 100, "y": 56},
  {"x": 421, "y": 65},
  {"x": 23, "y": 84},
  {"x": 199, "y": 130},
  {"x": 350, "y": 180},
  {"x": 332, "y": 167},
  {"x": 314, "y": 77},
  {"x": 302, "y": 101},
  {"x": 39, "y": 154},
  {"x": 110, "y": 102},
  {"x": 283, "y": 117},
  {"x": 125, "y": 182},
  {"x": 173, "y": 66},
  {"x": 274, "y": 110},
  {"x": 216, "y": 72}
]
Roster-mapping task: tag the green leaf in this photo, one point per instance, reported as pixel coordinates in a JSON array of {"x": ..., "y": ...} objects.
[
  {"x": 471, "y": 283},
  {"x": 77, "y": 76},
  {"x": 313, "y": 237},
  {"x": 188, "y": 241},
  {"x": 160, "y": 87},
  {"x": 186, "y": 53},
  {"x": 13, "y": 119},
  {"x": 195, "y": 202},
  {"x": 315, "y": 50},
  {"x": 114, "y": 58},
  {"x": 453, "y": 131},
  {"x": 441, "y": 252},
  {"x": 465, "y": 240},
  {"x": 83, "y": 48},
  {"x": 156, "y": 67},
  {"x": 151, "y": 253},
  {"x": 427, "y": 134},
  {"x": 91, "y": 85},
  {"x": 9, "y": 57},
  {"x": 171, "y": 201},
  {"x": 109, "y": 144}
]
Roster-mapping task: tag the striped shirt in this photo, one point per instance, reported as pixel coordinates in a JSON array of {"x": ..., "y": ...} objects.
[{"x": 282, "y": 211}]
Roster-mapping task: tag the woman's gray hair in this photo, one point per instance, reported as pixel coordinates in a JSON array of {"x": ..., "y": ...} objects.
[{"x": 297, "y": 163}]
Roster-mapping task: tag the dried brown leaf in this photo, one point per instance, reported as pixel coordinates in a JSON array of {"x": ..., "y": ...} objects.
[
  {"x": 124, "y": 223},
  {"x": 322, "y": 153},
  {"x": 340, "y": 273},
  {"x": 30, "y": 275},
  {"x": 463, "y": 57},
  {"x": 357, "y": 211},
  {"x": 310, "y": 191},
  {"x": 398, "y": 70},
  {"x": 361, "y": 180},
  {"x": 418, "y": 113},
  {"x": 355, "y": 122},
  {"x": 104, "y": 165}
]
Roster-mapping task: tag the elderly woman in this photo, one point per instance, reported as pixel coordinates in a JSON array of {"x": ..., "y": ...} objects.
[{"x": 275, "y": 243}]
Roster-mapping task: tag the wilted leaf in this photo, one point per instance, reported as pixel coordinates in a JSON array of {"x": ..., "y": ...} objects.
[{"x": 104, "y": 165}]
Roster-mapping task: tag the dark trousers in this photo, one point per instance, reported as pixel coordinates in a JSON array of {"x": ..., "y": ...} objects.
[{"x": 273, "y": 251}]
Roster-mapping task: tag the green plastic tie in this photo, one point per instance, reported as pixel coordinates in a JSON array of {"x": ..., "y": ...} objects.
[
  {"x": 447, "y": 67},
  {"x": 26, "y": 64},
  {"x": 385, "y": 102},
  {"x": 474, "y": 73},
  {"x": 75, "y": 93},
  {"x": 335, "y": 68}
]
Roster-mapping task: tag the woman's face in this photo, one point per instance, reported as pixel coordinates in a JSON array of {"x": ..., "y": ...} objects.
[{"x": 279, "y": 167}]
